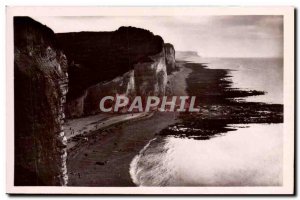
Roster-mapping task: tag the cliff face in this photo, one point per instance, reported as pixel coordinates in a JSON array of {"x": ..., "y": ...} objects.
[
  {"x": 136, "y": 56},
  {"x": 88, "y": 103},
  {"x": 170, "y": 57},
  {"x": 151, "y": 76},
  {"x": 102, "y": 56},
  {"x": 41, "y": 86}
]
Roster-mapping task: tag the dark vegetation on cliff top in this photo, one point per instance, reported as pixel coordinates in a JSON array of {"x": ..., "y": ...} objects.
[
  {"x": 101, "y": 56},
  {"x": 28, "y": 32}
]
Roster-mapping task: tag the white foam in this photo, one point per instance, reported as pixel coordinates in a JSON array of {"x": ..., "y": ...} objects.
[{"x": 246, "y": 157}]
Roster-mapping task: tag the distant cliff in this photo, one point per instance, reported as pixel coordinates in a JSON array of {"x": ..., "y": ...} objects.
[
  {"x": 130, "y": 61},
  {"x": 185, "y": 54},
  {"x": 41, "y": 84}
]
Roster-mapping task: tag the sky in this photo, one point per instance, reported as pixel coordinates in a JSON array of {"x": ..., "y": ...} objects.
[{"x": 210, "y": 36}]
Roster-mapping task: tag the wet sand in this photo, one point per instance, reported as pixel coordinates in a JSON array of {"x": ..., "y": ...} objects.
[
  {"x": 104, "y": 160},
  {"x": 82, "y": 127},
  {"x": 103, "y": 157},
  {"x": 177, "y": 80}
]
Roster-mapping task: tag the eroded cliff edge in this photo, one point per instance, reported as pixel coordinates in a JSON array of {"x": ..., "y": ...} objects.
[
  {"x": 129, "y": 61},
  {"x": 40, "y": 85}
]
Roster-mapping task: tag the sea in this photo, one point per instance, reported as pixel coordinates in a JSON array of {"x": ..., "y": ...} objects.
[
  {"x": 249, "y": 156},
  {"x": 263, "y": 74}
]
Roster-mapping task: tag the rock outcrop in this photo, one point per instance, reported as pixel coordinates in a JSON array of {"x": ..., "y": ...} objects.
[
  {"x": 151, "y": 76},
  {"x": 170, "y": 58},
  {"x": 41, "y": 85},
  {"x": 136, "y": 56}
]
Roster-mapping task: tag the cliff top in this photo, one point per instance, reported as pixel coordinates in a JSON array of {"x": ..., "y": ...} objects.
[{"x": 28, "y": 32}]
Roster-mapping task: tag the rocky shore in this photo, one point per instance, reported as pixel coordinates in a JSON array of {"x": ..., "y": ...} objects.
[{"x": 219, "y": 106}]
